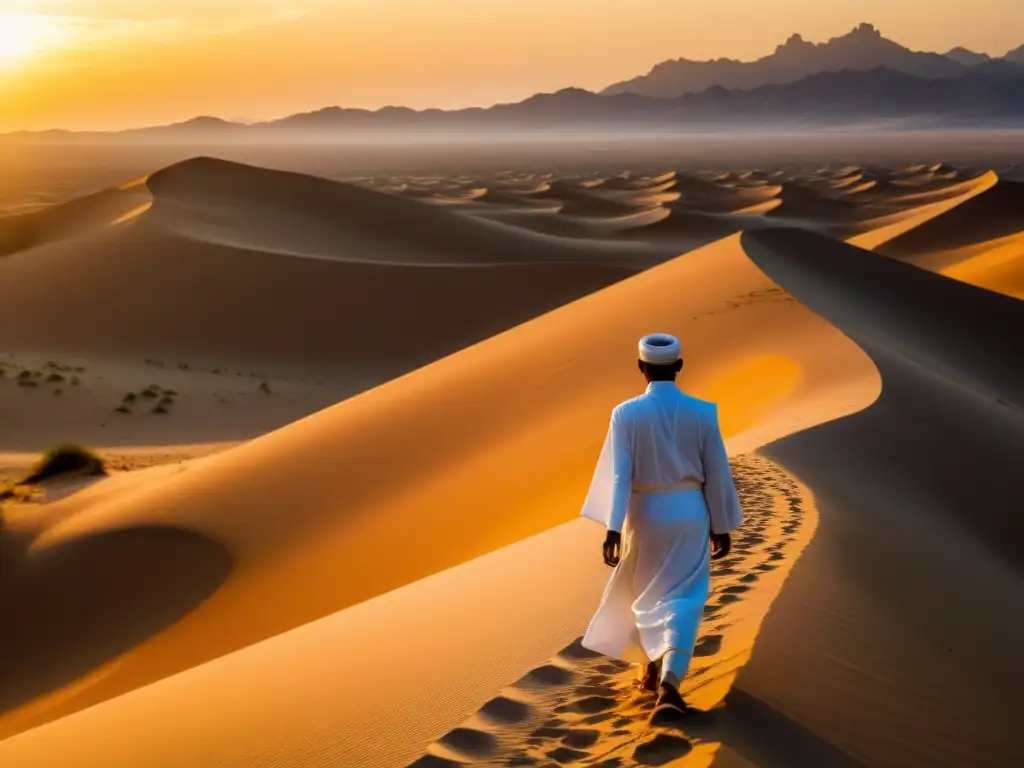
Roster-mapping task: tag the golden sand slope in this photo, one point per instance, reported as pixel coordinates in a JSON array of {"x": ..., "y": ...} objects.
[
  {"x": 461, "y": 457},
  {"x": 878, "y": 618},
  {"x": 867, "y": 654},
  {"x": 199, "y": 278}
]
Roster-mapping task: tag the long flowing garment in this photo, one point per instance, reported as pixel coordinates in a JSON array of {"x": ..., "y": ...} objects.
[
  {"x": 655, "y": 599},
  {"x": 663, "y": 480}
]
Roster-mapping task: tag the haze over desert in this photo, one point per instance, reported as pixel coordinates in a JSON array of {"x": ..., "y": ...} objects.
[{"x": 348, "y": 396}]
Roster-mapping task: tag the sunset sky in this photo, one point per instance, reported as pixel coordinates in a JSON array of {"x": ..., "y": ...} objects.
[{"x": 120, "y": 63}]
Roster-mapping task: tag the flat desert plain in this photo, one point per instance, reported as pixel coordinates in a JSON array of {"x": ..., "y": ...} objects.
[{"x": 348, "y": 425}]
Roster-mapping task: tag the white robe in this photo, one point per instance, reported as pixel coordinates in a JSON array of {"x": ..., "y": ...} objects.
[{"x": 662, "y": 479}]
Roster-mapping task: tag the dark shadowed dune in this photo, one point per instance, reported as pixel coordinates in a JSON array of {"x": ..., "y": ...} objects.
[
  {"x": 995, "y": 213},
  {"x": 71, "y": 607},
  {"x": 919, "y": 501}
]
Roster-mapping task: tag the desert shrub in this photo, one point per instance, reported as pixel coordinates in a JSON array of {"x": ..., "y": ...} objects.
[
  {"x": 170, "y": 393},
  {"x": 160, "y": 409},
  {"x": 149, "y": 394},
  {"x": 74, "y": 381},
  {"x": 27, "y": 383},
  {"x": 24, "y": 376},
  {"x": 54, "y": 378},
  {"x": 122, "y": 409},
  {"x": 65, "y": 460},
  {"x": 130, "y": 397},
  {"x": 265, "y": 388}
]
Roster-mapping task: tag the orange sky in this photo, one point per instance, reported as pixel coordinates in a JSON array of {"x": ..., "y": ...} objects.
[{"x": 118, "y": 63}]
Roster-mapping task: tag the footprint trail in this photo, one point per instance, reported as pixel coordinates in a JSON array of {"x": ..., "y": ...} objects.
[{"x": 583, "y": 709}]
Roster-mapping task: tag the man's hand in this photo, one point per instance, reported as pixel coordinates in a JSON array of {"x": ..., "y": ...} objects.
[
  {"x": 612, "y": 548},
  {"x": 721, "y": 543}
]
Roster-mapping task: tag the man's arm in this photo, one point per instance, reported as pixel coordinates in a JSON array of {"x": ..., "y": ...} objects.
[
  {"x": 719, "y": 488},
  {"x": 622, "y": 472},
  {"x": 622, "y": 486}
]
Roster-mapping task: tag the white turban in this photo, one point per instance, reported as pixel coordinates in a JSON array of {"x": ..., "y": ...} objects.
[{"x": 660, "y": 349}]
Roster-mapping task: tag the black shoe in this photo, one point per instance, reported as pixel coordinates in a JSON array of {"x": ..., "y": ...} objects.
[
  {"x": 668, "y": 695},
  {"x": 670, "y": 708}
]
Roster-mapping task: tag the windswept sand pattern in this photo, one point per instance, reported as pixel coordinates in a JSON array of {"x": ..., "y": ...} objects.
[
  {"x": 583, "y": 709},
  {"x": 302, "y": 608}
]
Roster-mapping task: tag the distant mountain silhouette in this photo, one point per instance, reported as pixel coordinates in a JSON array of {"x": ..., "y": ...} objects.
[
  {"x": 1016, "y": 55},
  {"x": 862, "y": 49},
  {"x": 967, "y": 57},
  {"x": 990, "y": 94}
]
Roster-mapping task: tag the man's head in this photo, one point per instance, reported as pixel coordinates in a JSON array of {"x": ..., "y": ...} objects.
[{"x": 660, "y": 357}]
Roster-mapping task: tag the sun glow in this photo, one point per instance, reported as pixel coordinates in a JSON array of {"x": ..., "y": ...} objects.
[{"x": 23, "y": 35}]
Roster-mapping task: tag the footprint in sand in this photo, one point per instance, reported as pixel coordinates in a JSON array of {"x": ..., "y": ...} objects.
[
  {"x": 584, "y": 709},
  {"x": 590, "y": 705},
  {"x": 567, "y": 755},
  {"x": 739, "y": 589},
  {"x": 708, "y": 645},
  {"x": 661, "y": 750},
  {"x": 505, "y": 710},
  {"x": 548, "y": 675},
  {"x": 469, "y": 741},
  {"x": 581, "y": 739}
]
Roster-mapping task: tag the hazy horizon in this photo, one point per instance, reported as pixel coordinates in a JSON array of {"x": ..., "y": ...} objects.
[{"x": 112, "y": 65}]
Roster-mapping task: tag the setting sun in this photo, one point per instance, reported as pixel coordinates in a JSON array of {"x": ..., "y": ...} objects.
[{"x": 23, "y": 35}]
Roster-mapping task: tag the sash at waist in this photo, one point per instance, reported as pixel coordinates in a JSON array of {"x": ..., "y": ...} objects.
[{"x": 690, "y": 484}]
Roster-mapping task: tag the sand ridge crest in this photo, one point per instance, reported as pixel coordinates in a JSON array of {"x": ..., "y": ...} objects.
[{"x": 844, "y": 363}]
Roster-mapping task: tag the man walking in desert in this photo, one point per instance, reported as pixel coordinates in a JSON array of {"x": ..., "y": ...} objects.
[{"x": 664, "y": 490}]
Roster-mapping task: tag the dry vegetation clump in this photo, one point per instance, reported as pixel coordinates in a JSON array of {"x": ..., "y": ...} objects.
[{"x": 65, "y": 460}]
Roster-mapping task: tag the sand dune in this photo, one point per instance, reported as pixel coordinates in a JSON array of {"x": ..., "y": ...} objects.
[
  {"x": 335, "y": 543},
  {"x": 242, "y": 206},
  {"x": 995, "y": 213},
  {"x": 29, "y": 230},
  {"x": 197, "y": 278},
  {"x": 939, "y": 447},
  {"x": 393, "y": 579}
]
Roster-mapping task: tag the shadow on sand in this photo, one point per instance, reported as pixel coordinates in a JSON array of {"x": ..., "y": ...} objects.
[{"x": 67, "y": 609}]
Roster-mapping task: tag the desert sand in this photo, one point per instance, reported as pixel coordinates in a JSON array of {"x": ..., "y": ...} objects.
[{"x": 350, "y": 425}]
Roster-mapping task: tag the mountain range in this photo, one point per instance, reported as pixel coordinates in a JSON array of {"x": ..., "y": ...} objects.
[
  {"x": 862, "y": 49},
  {"x": 859, "y": 78}
]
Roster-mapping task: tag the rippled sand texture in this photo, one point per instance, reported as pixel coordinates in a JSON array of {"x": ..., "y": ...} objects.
[{"x": 351, "y": 423}]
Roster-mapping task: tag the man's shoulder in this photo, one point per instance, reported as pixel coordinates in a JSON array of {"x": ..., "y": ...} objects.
[
  {"x": 629, "y": 407},
  {"x": 704, "y": 406}
]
